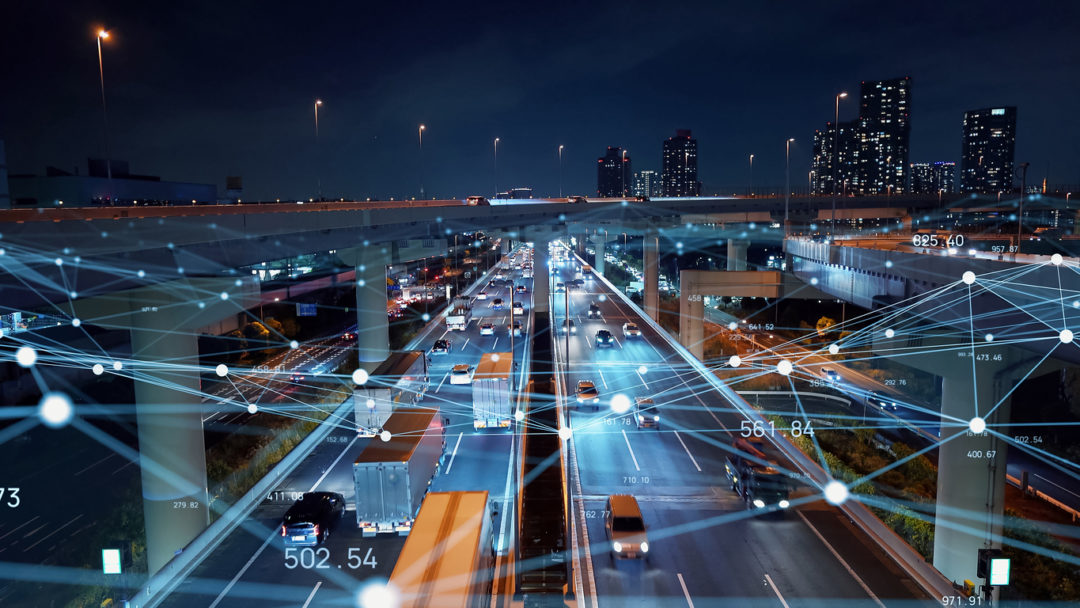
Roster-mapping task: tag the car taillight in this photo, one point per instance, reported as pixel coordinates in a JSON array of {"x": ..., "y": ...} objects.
[
  {"x": 316, "y": 529},
  {"x": 283, "y": 530}
]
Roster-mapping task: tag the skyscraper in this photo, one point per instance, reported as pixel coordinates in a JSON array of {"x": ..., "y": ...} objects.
[
  {"x": 613, "y": 176},
  {"x": 869, "y": 155},
  {"x": 647, "y": 183},
  {"x": 988, "y": 150},
  {"x": 680, "y": 176},
  {"x": 932, "y": 178}
]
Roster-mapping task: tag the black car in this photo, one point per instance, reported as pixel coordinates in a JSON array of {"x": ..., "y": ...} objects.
[
  {"x": 594, "y": 311},
  {"x": 441, "y": 347},
  {"x": 308, "y": 522},
  {"x": 604, "y": 339}
]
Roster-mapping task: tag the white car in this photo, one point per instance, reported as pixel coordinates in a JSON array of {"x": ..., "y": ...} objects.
[
  {"x": 482, "y": 295},
  {"x": 461, "y": 374},
  {"x": 519, "y": 309},
  {"x": 631, "y": 330},
  {"x": 487, "y": 329}
]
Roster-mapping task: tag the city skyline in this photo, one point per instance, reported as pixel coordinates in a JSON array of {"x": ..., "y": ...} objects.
[{"x": 215, "y": 113}]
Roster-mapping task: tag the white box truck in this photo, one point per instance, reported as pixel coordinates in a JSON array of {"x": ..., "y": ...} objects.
[
  {"x": 459, "y": 315},
  {"x": 400, "y": 380},
  {"x": 391, "y": 477},
  {"x": 492, "y": 406}
]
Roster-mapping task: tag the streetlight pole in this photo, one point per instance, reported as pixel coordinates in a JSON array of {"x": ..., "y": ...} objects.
[
  {"x": 496, "y": 166},
  {"x": 787, "y": 179},
  {"x": 560, "y": 170},
  {"x": 622, "y": 174},
  {"x": 750, "y": 193},
  {"x": 318, "y": 179},
  {"x": 1020, "y": 215},
  {"x": 420, "y": 133},
  {"x": 835, "y": 155},
  {"x": 104, "y": 35}
]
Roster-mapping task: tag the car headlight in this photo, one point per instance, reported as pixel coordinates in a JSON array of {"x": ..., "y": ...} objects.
[
  {"x": 759, "y": 503},
  {"x": 784, "y": 504},
  {"x": 656, "y": 418},
  {"x": 641, "y": 418},
  {"x": 617, "y": 546},
  {"x": 644, "y": 546},
  {"x": 579, "y": 399}
]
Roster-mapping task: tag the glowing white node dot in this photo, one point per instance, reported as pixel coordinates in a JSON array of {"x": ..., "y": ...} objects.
[
  {"x": 370, "y": 403},
  {"x": 989, "y": 337},
  {"x": 360, "y": 376},
  {"x": 836, "y": 492},
  {"x": 425, "y": 317},
  {"x": 889, "y": 333},
  {"x": 221, "y": 370},
  {"x": 834, "y": 349},
  {"x": 814, "y": 281},
  {"x": 620, "y": 404},
  {"x": 977, "y": 425},
  {"x": 1056, "y": 259},
  {"x": 642, "y": 369},
  {"x": 602, "y": 298},
  {"x": 385, "y": 436},
  {"x": 888, "y": 263},
  {"x": 968, "y": 277},
  {"x": 378, "y": 595},
  {"x": 98, "y": 369},
  {"x": 519, "y": 415},
  {"x": 73, "y": 294},
  {"x": 732, "y": 326},
  {"x": 361, "y": 282},
  {"x": 294, "y": 344},
  {"x": 26, "y": 356},
  {"x": 141, "y": 274},
  {"x": 224, "y": 295},
  {"x": 565, "y": 433},
  {"x": 58, "y": 262},
  {"x": 252, "y": 408},
  {"x": 117, "y": 365},
  {"x": 55, "y": 410},
  {"x": 1066, "y": 336},
  {"x": 76, "y": 322},
  {"x": 494, "y": 356},
  {"x": 784, "y": 367},
  {"x": 202, "y": 304}
]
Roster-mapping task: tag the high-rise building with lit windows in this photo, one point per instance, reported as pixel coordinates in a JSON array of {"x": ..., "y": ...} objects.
[
  {"x": 647, "y": 183},
  {"x": 613, "y": 175},
  {"x": 680, "y": 177},
  {"x": 932, "y": 178},
  {"x": 988, "y": 150},
  {"x": 869, "y": 155}
]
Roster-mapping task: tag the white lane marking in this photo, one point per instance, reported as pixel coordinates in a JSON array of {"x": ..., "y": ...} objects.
[
  {"x": 333, "y": 464},
  {"x": 454, "y": 455},
  {"x": 95, "y": 464},
  {"x": 685, "y": 591},
  {"x": 1056, "y": 485},
  {"x": 768, "y": 579},
  {"x": 677, "y": 436},
  {"x": 617, "y": 340},
  {"x": 441, "y": 382},
  {"x": 643, "y": 382},
  {"x": 840, "y": 559},
  {"x": 25, "y": 523},
  {"x": 602, "y": 379},
  {"x": 42, "y": 539},
  {"x": 466, "y": 343},
  {"x": 494, "y": 343},
  {"x": 225, "y": 591},
  {"x": 624, "y": 436},
  {"x": 312, "y": 594}
]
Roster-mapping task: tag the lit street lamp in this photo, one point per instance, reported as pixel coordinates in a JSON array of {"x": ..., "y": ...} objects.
[
  {"x": 751, "y": 191},
  {"x": 420, "y": 133},
  {"x": 104, "y": 35},
  {"x": 560, "y": 170},
  {"x": 496, "y": 166},
  {"x": 622, "y": 174},
  {"x": 787, "y": 178},
  {"x": 835, "y": 158},
  {"x": 318, "y": 180}
]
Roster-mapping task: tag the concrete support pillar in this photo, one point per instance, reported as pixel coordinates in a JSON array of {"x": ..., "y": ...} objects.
[
  {"x": 691, "y": 314},
  {"x": 372, "y": 323},
  {"x": 651, "y": 272},
  {"x": 736, "y": 254},
  {"x": 598, "y": 260},
  {"x": 541, "y": 276},
  {"x": 172, "y": 455},
  {"x": 163, "y": 320},
  {"x": 971, "y": 482},
  {"x": 504, "y": 246}
]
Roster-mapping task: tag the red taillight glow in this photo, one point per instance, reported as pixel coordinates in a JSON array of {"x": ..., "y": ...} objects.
[
  {"x": 283, "y": 530},
  {"x": 316, "y": 529}
]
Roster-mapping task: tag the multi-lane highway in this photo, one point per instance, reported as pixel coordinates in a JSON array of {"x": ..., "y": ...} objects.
[
  {"x": 705, "y": 545},
  {"x": 251, "y": 565}
]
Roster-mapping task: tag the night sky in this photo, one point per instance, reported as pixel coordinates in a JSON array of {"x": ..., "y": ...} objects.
[{"x": 197, "y": 92}]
